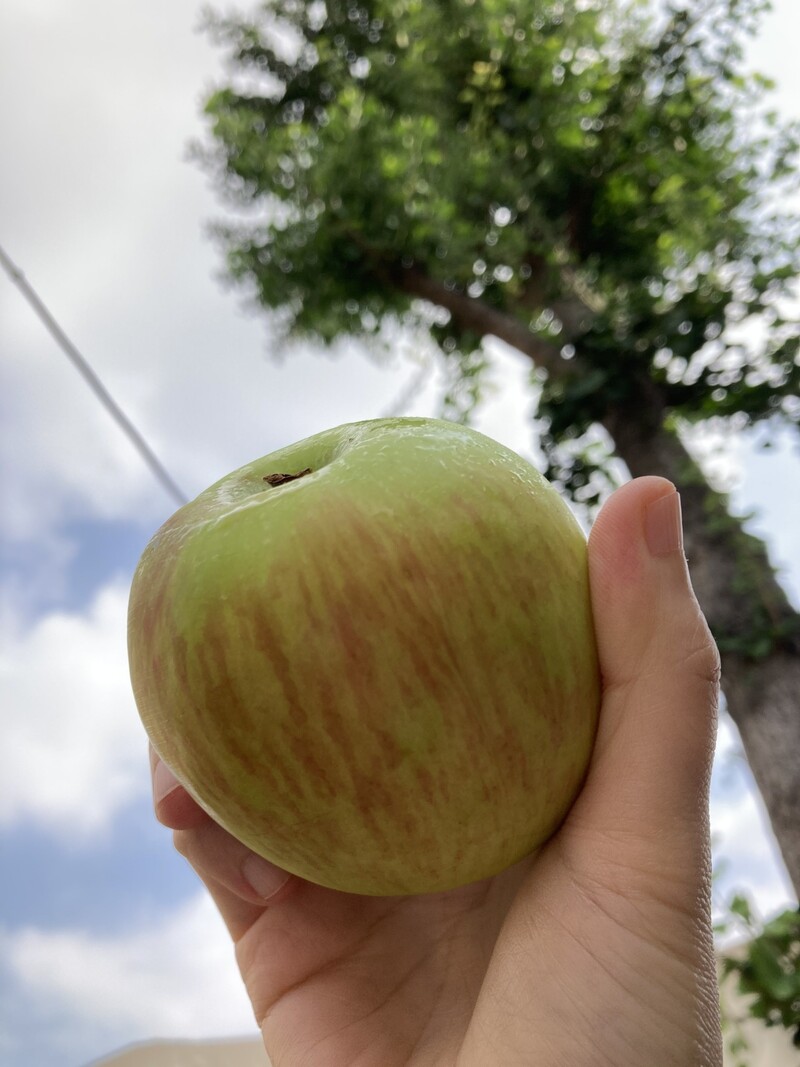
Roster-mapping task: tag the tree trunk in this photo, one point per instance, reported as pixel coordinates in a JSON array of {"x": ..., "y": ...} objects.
[{"x": 750, "y": 616}]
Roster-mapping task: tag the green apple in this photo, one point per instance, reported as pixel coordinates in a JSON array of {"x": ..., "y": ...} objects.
[{"x": 370, "y": 655}]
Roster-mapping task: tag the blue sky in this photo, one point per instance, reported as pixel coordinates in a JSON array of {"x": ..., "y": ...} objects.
[{"x": 105, "y": 936}]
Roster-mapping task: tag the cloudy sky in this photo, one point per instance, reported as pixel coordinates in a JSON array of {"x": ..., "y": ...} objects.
[{"x": 105, "y": 937}]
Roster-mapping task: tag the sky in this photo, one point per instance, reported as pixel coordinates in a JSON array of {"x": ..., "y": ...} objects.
[{"x": 106, "y": 937}]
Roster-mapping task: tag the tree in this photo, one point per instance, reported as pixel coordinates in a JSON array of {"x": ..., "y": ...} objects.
[{"x": 594, "y": 183}]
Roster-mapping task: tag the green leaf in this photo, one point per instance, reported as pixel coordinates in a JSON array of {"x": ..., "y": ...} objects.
[{"x": 741, "y": 906}]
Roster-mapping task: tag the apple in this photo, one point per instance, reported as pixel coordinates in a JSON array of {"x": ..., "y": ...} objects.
[{"x": 370, "y": 655}]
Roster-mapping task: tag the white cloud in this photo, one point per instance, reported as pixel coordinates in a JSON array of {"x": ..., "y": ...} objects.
[
  {"x": 746, "y": 850},
  {"x": 746, "y": 855},
  {"x": 116, "y": 249},
  {"x": 73, "y": 750},
  {"x": 175, "y": 978}
]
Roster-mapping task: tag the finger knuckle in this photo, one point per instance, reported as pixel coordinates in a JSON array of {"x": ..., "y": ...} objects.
[
  {"x": 703, "y": 657},
  {"x": 181, "y": 843}
]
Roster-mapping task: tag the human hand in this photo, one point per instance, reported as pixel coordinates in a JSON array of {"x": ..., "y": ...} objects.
[{"x": 597, "y": 950}]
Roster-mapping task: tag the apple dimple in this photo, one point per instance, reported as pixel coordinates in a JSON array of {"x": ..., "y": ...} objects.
[{"x": 281, "y": 479}]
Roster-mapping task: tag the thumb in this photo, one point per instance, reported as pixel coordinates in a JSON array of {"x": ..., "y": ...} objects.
[{"x": 660, "y": 668}]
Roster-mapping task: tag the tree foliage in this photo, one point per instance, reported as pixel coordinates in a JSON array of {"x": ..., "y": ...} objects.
[
  {"x": 598, "y": 179},
  {"x": 767, "y": 972}
]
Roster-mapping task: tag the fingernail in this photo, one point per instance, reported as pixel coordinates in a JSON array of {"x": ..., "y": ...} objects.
[
  {"x": 663, "y": 526},
  {"x": 264, "y": 877},
  {"x": 164, "y": 781}
]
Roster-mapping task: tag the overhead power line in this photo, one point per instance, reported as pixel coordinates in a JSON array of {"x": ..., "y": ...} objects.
[{"x": 94, "y": 383}]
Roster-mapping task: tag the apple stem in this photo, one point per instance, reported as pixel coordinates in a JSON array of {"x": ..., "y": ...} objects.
[{"x": 280, "y": 479}]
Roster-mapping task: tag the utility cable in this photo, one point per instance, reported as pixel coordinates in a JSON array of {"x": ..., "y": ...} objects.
[{"x": 94, "y": 383}]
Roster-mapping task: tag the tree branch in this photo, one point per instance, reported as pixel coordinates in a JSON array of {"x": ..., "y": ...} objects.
[{"x": 482, "y": 319}]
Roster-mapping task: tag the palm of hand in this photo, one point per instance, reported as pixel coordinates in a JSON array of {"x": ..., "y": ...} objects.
[
  {"x": 340, "y": 979},
  {"x": 544, "y": 964}
]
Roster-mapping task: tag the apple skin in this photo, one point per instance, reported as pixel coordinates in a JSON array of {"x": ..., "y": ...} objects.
[{"x": 381, "y": 674}]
